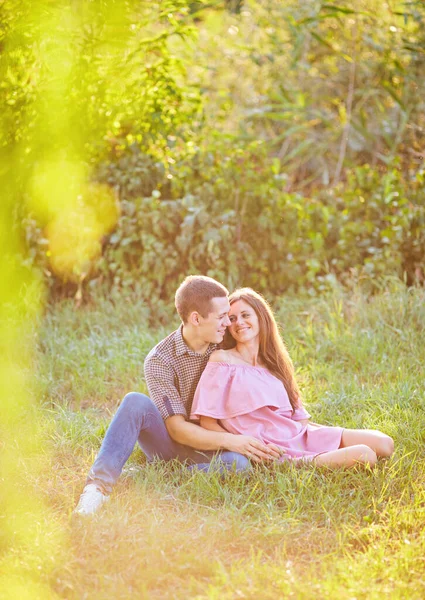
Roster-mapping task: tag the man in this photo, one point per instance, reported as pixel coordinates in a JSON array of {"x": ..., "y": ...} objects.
[{"x": 160, "y": 424}]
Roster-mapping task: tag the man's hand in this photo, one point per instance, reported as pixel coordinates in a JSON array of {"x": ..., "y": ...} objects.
[{"x": 254, "y": 449}]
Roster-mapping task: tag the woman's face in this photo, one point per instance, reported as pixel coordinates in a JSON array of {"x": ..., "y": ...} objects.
[{"x": 244, "y": 326}]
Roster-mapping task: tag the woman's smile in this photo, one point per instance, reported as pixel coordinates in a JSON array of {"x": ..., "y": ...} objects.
[{"x": 243, "y": 321}]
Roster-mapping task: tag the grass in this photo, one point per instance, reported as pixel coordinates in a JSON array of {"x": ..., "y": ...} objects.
[{"x": 280, "y": 532}]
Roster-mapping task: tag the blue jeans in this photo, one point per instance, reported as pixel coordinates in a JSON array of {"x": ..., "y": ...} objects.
[{"x": 139, "y": 420}]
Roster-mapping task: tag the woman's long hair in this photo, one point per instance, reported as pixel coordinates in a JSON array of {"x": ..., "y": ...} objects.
[{"x": 272, "y": 352}]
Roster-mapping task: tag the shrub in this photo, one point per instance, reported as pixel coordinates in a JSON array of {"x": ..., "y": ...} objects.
[{"x": 232, "y": 219}]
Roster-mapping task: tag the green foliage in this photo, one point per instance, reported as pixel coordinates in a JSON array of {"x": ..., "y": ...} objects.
[
  {"x": 92, "y": 77},
  {"x": 327, "y": 85},
  {"x": 293, "y": 161},
  {"x": 232, "y": 220}
]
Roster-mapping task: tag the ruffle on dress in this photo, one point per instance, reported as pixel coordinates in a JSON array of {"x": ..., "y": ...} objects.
[{"x": 227, "y": 390}]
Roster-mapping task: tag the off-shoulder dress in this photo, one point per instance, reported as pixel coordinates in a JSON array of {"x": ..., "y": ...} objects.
[{"x": 249, "y": 400}]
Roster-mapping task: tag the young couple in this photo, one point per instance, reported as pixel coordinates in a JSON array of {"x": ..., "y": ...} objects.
[{"x": 237, "y": 403}]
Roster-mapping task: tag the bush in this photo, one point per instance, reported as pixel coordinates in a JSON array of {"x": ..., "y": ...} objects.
[{"x": 231, "y": 218}]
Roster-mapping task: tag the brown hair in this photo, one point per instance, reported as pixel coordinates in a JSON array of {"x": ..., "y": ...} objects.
[
  {"x": 272, "y": 351},
  {"x": 196, "y": 293}
]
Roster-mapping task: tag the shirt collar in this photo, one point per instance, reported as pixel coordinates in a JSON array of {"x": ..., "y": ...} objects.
[{"x": 182, "y": 348}]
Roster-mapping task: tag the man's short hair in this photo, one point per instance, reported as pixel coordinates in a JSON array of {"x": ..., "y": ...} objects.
[{"x": 196, "y": 293}]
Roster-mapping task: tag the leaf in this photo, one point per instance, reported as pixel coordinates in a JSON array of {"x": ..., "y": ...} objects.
[
  {"x": 414, "y": 48},
  {"x": 343, "y": 10},
  {"x": 393, "y": 95},
  {"x": 312, "y": 19},
  {"x": 304, "y": 144},
  {"x": 320, "y": 39},
  {"x": 296, "y": 128}
]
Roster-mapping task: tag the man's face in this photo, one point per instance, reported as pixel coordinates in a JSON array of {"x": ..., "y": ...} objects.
[{"x": 213, "y": 327}]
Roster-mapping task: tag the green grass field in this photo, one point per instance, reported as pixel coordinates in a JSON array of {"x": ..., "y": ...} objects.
[{"x": 280, "y": 532}]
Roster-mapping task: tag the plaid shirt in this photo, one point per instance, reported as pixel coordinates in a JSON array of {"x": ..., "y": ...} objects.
[{"x": 172, "y": 372}]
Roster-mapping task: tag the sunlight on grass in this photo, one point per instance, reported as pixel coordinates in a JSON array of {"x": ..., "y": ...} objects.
[{"x": 171, "y": 533}]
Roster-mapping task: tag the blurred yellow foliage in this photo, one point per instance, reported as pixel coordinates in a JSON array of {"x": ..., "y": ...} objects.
[
  {"x": 75, "y": 234},
  {"x": 76, "y": 214}
]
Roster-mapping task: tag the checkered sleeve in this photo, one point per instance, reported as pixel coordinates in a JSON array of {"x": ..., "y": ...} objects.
[{"x": 160, "y": 379}]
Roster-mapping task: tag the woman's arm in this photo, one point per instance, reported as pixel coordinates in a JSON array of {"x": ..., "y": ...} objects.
[
  {"x": 194, "y": 436},
  {"x": 301, "y": 415},
  {"x": 245, "y": 441},
  {"x": 211, "y": 424}
]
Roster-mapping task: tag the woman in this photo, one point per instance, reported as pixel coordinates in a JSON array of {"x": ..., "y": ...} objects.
[{"x": 250, "y": 389}]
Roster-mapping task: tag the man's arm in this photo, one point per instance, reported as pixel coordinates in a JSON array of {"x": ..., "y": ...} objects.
[
  {"x": 301, "y": 415},
  {"x": 163, "y": 392},
  {"x": 192, "y": 435},
  {"x": 210, "y": 424},
  {"x": 197, "y": 437}
]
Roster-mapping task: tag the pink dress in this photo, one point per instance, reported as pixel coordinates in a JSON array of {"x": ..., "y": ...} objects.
[{"x": 251, "y": 401}]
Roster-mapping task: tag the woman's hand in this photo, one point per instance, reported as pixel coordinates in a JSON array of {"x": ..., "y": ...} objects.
[{"x": 254, "y": 449}]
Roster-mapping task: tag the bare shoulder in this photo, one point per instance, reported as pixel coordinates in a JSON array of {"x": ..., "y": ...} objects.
[{"x": 220, "y": 356}]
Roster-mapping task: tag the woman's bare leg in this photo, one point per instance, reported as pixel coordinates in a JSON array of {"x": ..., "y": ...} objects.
[
  {"x": 347, "y": 457},
  {"x": 380, "y": 443}
]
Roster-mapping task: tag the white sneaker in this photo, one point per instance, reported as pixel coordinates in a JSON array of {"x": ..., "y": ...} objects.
[{"x": 90, "y": 500}]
